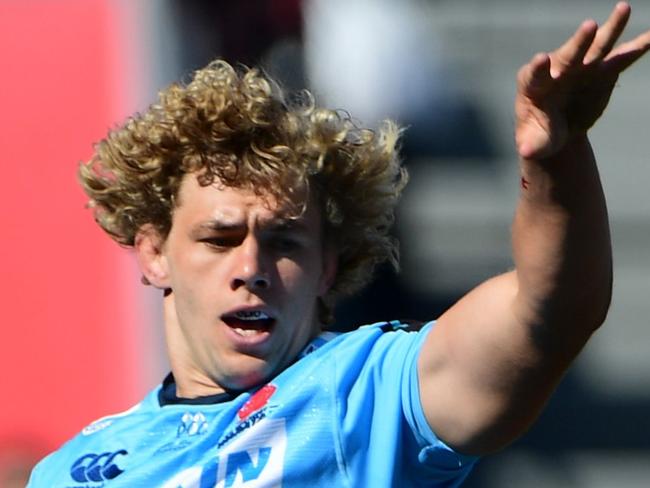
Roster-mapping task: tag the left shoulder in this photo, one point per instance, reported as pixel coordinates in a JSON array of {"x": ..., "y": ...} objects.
[
  {"x": 405, "y": 325},
  {"x": 378, "y": 343}
]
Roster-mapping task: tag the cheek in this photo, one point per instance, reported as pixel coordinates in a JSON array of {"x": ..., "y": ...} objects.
[
  {"x": 192, "y": 263},
  {"x": 299, "y": 276},
  {"x": 193, "y": 279}
]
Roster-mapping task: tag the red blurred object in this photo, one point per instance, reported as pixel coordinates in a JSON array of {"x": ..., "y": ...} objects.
[{"x": 68, "y": 294}]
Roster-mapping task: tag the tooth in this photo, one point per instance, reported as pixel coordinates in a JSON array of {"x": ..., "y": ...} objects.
[
  {"x": 245, "y": 332},
  {"x": 253, "y": 315}
]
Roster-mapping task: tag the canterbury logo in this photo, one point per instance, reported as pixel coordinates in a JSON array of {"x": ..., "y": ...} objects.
[{"x": 97, "y": 467}]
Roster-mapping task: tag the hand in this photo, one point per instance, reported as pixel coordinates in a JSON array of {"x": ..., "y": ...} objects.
[{"x": 561, "y": 94}]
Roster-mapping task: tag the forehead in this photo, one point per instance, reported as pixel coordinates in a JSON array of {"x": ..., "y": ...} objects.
[{"x": 217, "y": 201}]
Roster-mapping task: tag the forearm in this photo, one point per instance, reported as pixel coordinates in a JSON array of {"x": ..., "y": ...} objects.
[{"x": 562, "y": 247}]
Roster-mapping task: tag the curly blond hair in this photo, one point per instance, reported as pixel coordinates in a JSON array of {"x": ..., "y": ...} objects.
[{"x": 235, "y": 125}]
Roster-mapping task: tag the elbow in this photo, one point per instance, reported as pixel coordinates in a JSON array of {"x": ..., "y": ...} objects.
[
  {"x": 584, "y": 303},
  {"x": 598, "y": 304}
]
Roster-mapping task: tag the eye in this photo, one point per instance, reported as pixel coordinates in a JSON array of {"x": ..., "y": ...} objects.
[
  {"x": 286, "y": 243},
  {"x": 221, "y": 242}
]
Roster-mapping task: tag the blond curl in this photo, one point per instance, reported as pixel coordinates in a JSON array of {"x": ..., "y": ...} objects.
[{"x": 237, "y": 127}]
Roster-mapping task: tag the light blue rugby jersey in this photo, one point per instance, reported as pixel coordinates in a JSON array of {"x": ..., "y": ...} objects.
[{"x": 346, "y": 414}]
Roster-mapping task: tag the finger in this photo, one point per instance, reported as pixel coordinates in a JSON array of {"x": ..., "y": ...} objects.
[
  {"x": 535, "y": 77},
  {"x": 573, "y": 51},
  {"x": 626, "y": 54},
  {"x": 608, "y": 33}
]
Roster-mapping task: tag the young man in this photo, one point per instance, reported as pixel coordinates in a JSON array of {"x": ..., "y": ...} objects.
[{"x": 254, "y": 215}]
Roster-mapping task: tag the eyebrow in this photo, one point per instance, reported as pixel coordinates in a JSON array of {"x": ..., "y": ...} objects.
[
  {"x": 285, "y": 224},
  {"x": 274, "y": 225},
  {"x": 218, "y": 225}
]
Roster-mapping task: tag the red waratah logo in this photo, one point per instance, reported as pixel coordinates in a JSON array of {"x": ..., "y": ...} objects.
[{"x": 257, "y": 401}]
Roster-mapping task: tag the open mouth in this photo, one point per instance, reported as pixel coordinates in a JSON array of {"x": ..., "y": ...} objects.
[{"x": 249, "y": 323}]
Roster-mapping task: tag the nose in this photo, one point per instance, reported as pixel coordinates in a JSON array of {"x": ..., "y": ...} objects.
[{"x": 249, "y": 269}]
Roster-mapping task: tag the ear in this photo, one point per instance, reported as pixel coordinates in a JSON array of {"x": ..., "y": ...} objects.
[
  {"x": 148, "y": 246},
  {"x": 330, "y": 269}
]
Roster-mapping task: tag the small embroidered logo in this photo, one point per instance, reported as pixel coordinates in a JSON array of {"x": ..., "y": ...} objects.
[{"x": 192, "y": 424}]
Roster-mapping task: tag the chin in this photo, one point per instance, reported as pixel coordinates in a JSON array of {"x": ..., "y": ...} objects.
[{"x": 247, "y": 378}]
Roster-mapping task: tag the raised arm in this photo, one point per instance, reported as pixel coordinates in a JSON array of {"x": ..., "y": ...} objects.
[{"x": 494, "y": 358}]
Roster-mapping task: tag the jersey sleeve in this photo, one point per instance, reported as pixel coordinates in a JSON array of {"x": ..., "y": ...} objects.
[
  {"x": 384, "y": 436},
  {"x": 438, "y": 458}
]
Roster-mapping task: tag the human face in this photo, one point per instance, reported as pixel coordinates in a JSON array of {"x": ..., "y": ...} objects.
[{"x": 230, "y": 256}]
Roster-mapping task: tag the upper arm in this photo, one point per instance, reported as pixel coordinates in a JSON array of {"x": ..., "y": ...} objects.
[{"x": 485, "y": 372}]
